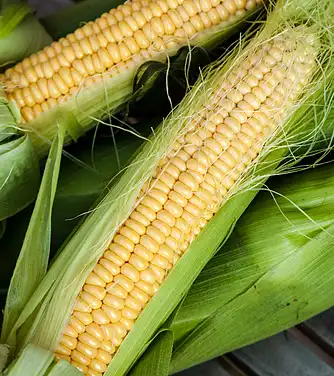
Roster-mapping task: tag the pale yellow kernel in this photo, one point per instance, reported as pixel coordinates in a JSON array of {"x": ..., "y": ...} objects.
[
  {"x": 129, "y": 313},
  {"x": 81, "y": 367},
  {"x": 124, "y": 282},
  {"x": 162, "y": 226},
  {"x": 247, "y": 109},
  {"x": 141, "y": 219},
  {"x": 70, "y": 331},
  {"x": 175, "y": 19},
  {"x": 143, "y": 252},
  {"x": 100, "y": 317},
  {"x": 97, "y": 291},
  {"x": 93, "y": 372},
  {"x": 167, "y": 179},
  {"x": 145, "y": 287},
  {"x": 113, "y": 301},
  {"x": 248, "y": 130},
  {"x": 262, "y": 117},
  {"x": 136, "y": 227},
  {"x": 124, "y": 242},
  {"x": 95, "y": 331},
  {"x": 102, "y": 272},
  {"x": 252, "y": 81},
  {"x": 86, "y": 350},
  {"x": 107, "y": 346},
  {"x": 69, "y": 342},
  {"x": 183, "y": 189},
  {"x": 189, "y": 181},
  {"x": 94, "y": 279},
  {"x": 63, "y": 350},
  {"x": 253, "y": 101},
  {"x": 84, "y": 317},
  {"x": 147, "y": 212},
  {"x": 112, "y": 313},
  {"x": 160, "y": 261},
  {"x": 194, "y": 210},
  {"x": 155, "y": 234},
  {"x": 108, "y": 262},
  {"x": 78, "y": 357},
  {"x": 90, "y": 300},
  {"x": 258, "y": 73},
  {"x": 69, "y": 54},
  {"x": 63, "y": 357},
  {"x": 103, "y": 356},
  {"x": 133, "y": 303},
  {"x": 130, "y": 272},
  {"x": 172, "y": 243},
  {"x": 124, "y": 51},
  {"x": 82, "y": 306},
  {"x": 255, "y": 123},
  {"x": 155, "y": 9},
  {"x": 138, "y": 262},
  {"x": 117, "y": 290},
  {"x": 173, "y": 208},
  {"x": 147, "y": 276},
  {"x": 159, "y": 273},
  {"x": 105, "y": 58}
]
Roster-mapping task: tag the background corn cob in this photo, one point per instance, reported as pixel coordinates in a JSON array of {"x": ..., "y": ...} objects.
[
  {"x": 115, "y": 44},
  {"x": 194, "y": 138}
]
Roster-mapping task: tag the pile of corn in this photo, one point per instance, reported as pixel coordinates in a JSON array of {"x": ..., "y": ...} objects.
[{"x": 120, "y": 275}]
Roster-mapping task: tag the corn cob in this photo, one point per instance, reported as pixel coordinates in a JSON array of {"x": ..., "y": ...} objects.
[
  {"x": 134, "y": 32},
  {"x": 187, "y": 188}
]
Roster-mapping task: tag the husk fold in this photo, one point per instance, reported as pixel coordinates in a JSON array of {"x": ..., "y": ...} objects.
[{"x": 38, "y": 322}]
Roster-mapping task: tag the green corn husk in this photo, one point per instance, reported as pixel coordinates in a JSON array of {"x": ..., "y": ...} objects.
[
  {"x": 84, "y": 110},
  {"x": 20, "y": 35},
  {"x": 38, "y": 323},
  {"x": 273, "y": 273},
  {"x": 34, "y": 361}
]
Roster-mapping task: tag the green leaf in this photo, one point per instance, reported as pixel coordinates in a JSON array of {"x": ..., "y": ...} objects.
[
  {"x": 21, "y": 34},
  {"x": 63, "y": 368},
  {"x": 33, "y": 361},
  {"x": 2, "y": 228},
  {"x": 156, "y": 358},
  {"x": 11, "y": 17},
  {"x": 298, "y": 288},
  {"x": 19, "y": 176},
  {"x": 32, "y": 263}
]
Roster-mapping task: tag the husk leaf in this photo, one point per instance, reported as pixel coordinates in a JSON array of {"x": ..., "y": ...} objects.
[
  {"x": 32, "y": 263},
  {"x": 21, "y": 34},
  {"x": 19, "y": 175}
]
